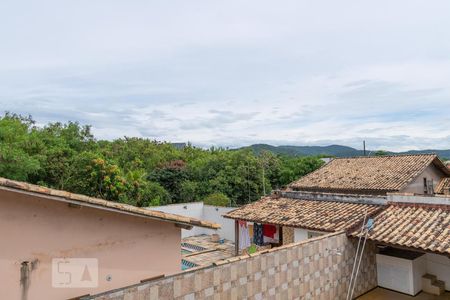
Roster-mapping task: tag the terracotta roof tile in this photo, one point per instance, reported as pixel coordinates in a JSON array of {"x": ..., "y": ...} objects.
[
  {"x": 371, "y": 175},
  {"x": 100, "y": 203},
  {"x": 420, "y": 226},
  {"x": 443, "y": 186},
  {"x": 309, "y": 214}
]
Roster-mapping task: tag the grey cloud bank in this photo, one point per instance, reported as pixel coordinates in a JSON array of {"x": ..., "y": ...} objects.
[{"x": 233, "y": 73}]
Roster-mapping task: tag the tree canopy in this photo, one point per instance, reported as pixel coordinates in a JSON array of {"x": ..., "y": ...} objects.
[{"x": 139, "y": 171}]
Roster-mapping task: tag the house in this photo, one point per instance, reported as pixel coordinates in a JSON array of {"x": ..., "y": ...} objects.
[
  {"x": 412, "y": 239},
  {"x": 410, "y": 229},
  {"x": 376, "y": 175},
  {"x": 59, "y": 245},
  {"x": 297, "y": 219},
  {"x": 414, "y": 242}
]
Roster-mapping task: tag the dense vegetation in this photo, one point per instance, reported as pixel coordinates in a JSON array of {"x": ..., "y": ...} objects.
[{"x": 139, "y": 171}]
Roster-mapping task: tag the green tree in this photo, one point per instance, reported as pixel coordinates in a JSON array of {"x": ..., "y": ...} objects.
[
  {"x": 380, "y": 153},
  {"x": 138, "y": 171},
  {"x": 16, "y": 161},
  {"x": 217, "y": 199}
]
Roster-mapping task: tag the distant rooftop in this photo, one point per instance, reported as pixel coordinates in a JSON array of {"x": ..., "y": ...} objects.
[
  {"x": 443, "y": 186},
  {"x": 320, "y": 215},
  {"x": 370, "y": 175},
  {"x": 420, "y": 226}
]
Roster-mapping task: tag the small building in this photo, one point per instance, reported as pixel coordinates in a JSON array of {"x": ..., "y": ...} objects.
[
  {"x": 60, "y": 245},
  {"x": 295, "y": 220},
  {"x": 376, "y": 175},
  {"x": 414, "y": 242}
]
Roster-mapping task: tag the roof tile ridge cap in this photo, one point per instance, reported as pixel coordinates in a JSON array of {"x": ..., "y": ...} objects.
[
  {"x": 445, "y": 207},
  {"x": 22, "y": 185},
  {"x": 386, "y": 156},
  {"x": 30, "y": 187},
  {"x": 441, "y": 164}
]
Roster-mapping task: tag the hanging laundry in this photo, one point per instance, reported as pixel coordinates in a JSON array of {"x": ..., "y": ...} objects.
[
  {"x": 258, "y": 234},
  {"x": 244, "y": 238},
  {"x": 269, "y": 230}
]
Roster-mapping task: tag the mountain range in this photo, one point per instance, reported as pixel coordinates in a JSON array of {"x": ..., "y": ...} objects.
[{"x": 334, "y": 150}]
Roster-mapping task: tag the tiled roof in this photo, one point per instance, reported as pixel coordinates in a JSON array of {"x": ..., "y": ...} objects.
[
  {"x": 443, "y": 186},
  {"x": 308, "y": 214},
  {"x": 420, "y": 226},
  {"x": 369, "y": 175},
  {"x": 103, "y": 204}
]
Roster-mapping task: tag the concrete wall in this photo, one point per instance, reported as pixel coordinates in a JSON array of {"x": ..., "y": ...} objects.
[
  {"x": 36, "y": 230},
  {"x": 214, "y": 214},
  {"x": 431, "y": 172},
  {"x": 439, "y": 265},
  {"x": 319, "y": 196},
  {"x": 302, "y": 234},
  {"x": 310, "y": 269},
  {"x": 436, "y": 199},
  {"x": 203, "y": 212},
  {"x": 193, "y": 210}
]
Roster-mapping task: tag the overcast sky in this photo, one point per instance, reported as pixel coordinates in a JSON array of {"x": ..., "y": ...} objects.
[{"x": 233, "y": 73}]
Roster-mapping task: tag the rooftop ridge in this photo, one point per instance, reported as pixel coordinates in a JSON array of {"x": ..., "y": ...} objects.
[
  {"x": 445, "y": 207},
  {"x": 389, "y": 155}
]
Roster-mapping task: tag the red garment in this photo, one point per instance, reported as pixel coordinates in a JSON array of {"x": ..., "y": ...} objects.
[
  {"x": 269, "y": 230},
  {"x": 242, "y": 223}
]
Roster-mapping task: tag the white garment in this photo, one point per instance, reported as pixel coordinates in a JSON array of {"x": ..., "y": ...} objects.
[{"x": 244, "y": 237}]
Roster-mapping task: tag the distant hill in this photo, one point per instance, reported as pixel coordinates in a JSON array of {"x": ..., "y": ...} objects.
[
  {"x": 441, "y": 153},
  {"x": 332, "y": 150}
]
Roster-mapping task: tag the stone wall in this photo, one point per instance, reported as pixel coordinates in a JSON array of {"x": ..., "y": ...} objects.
[{"x": 318, "y": 268}]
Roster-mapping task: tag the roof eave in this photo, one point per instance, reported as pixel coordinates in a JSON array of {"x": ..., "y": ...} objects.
[{"x": 111, "y": 209}]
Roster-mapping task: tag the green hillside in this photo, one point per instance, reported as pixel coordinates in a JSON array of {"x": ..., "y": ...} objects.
[{"x": 332, "y": 150}]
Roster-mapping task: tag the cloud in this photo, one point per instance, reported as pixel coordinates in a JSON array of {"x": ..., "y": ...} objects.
[{"x": 233, "y": 73}]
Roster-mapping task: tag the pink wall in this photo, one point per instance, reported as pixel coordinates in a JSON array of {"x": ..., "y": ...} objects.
[{"x": 35, "y": 229}]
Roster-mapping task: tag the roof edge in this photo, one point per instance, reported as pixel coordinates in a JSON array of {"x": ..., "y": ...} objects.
[{"x": 83, "y": 200}]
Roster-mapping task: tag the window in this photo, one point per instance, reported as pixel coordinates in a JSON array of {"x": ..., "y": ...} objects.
[
  {"x": 312, "y": 234},
  {"x": 428, "y": 186}
]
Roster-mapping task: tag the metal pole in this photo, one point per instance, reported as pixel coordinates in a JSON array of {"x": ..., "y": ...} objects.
[
  {"x": 359, "y": 264},
  {"x": 264, "y": 181},
  {"x": 236, "y": 237},
  {"x": 356, "y": 256}
]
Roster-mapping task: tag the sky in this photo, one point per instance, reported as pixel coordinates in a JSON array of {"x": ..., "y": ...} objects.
[{"x": 233, "y": 73}]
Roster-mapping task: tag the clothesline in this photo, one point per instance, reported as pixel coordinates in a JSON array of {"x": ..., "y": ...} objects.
[{"x": 258, "y": 234}]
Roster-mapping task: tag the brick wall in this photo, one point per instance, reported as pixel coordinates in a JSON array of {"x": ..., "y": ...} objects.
[{"x": 311, "y": 269}]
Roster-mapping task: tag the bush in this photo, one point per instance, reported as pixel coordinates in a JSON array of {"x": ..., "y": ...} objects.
[{"x": 217, "y": 199}]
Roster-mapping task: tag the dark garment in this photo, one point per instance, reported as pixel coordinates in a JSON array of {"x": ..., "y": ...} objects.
[
  {"x": 269, "y": 230},
  {"x": 258, "y": 234}
]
